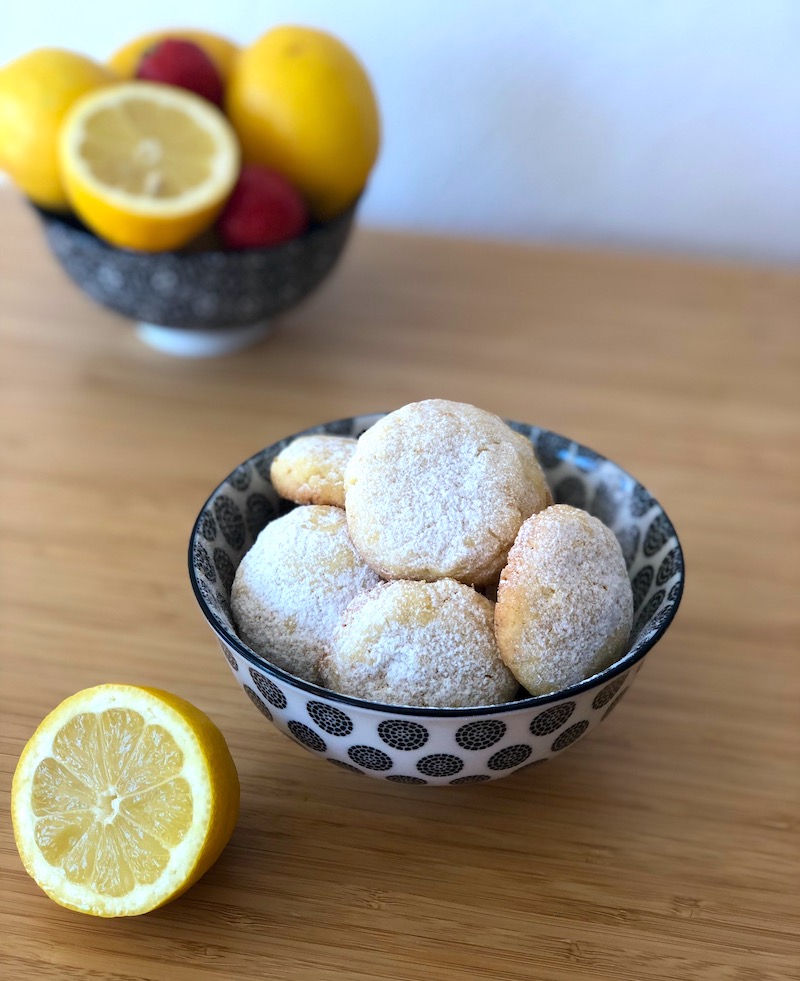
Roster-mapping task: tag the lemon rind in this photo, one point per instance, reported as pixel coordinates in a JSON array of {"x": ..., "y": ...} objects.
[{"x": 184, "y": 857}]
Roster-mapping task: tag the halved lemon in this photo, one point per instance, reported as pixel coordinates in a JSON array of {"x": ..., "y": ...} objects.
[
  {"x": 122, "y": 799},
  {"x": 147, "y": 166}
]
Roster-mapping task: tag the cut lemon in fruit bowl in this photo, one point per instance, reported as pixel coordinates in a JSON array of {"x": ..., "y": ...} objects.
[
  {"x": 122, "y": 799},
  {"x": 147, "y": 166}
]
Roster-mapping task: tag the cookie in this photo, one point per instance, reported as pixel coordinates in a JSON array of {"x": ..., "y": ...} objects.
[
  {"x": 310, "y": 470},
  {"x": 564, "y": 604},
  {"x": 419, "y": 643},
  {"x": 439, "y": 490},
  {"x": 291, "y": 587}
]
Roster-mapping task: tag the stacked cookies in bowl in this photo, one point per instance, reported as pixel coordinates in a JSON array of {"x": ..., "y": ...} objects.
[{"x": 426, "y": 565}]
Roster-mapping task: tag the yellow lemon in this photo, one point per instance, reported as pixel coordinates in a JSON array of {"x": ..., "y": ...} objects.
[
  {"x": 147, "y": 166},
  {"x": 220, "y": 50},
  {"x": 301, "y": 102},
  {"x": 123, "y": 798},
  {"x": 36, "y": 92}
]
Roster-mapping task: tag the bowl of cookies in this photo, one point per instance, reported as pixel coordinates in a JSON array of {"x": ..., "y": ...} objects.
[{"x": 434, "y": 595}]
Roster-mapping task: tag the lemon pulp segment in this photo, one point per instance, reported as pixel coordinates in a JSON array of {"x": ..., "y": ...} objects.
[
  {"x": 146, "y": 149},
  {"x": 110, "y": 802}
]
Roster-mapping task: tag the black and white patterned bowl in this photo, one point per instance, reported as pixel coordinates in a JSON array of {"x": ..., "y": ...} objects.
[
  {"x": 441, "y": 746},
  {"x": 211, "y": 291}
]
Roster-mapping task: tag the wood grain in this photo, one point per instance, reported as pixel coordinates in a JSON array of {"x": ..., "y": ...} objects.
[{"x": 664, "y": 847}]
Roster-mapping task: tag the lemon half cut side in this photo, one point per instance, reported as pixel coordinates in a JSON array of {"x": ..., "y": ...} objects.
[
  {"x": 147, "y": 166},
  {"x": 122, "y": 799}
]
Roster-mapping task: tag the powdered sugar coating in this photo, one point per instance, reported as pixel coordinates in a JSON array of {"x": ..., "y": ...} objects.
[
  {"x": 419, "y": 643},
  {"x": 439, "y": 489},
  {"x": 292, "y": 586},
  {"x": 564, "y": 605},
  {"x": 310, "y": 470}
]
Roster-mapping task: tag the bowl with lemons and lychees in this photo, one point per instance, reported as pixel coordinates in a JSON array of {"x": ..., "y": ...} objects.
[
  {"x": 434, "y": 596},
  {"x": 195, "y": 186}
]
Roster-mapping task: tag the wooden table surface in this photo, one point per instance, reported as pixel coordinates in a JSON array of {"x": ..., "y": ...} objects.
[{"x": 666, "y": 845}]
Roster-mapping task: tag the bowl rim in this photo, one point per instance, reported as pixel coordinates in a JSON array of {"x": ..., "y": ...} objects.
[
  {"x": 75, "y": 224},
  {"x": 532, "y": 701}
]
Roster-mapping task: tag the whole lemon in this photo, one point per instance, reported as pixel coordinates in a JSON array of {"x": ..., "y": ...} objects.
[
  {"x": 302, "y": 104},
  {"x": 36, "y": 91},
  {"x": 219, "y": 49}
]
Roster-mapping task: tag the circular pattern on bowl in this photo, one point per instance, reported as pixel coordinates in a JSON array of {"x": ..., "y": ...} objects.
[
  {"x": 370, "y": 758},
  {"x": 225, "y": 569},
  {"x": 605, "y": 695},
  {"x": 262, "y": 708},
  {"x": 571, "y": 735},
  {"x": 305, "y": 735},
  {"x": 269, "y": 690},
  {"x": 403, "y": 735},
  {"x": 330, "y": 719},
  {"x": 234, "y": 664},
  {"x": 441, "y": 747},
  {"x": 551, "y": 719},
  {"x": 509, "y": 757},
  {"x": 481, "y": 734},
  {"x": 440, "y": 765}
]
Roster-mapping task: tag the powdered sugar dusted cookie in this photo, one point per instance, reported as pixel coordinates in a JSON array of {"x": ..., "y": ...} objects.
[
  {"x": 439, "y": 490},
  {"x": 419, "y": 643},
  {"x": 564, "y": 605},
  {"x": 310, "y": 470},
  {"x": 292, "y": 586}
]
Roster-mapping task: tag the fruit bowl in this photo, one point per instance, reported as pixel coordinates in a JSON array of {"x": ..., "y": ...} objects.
[
  {"x": 403, "y": 744},
  {"x": 198, "y": 303}
]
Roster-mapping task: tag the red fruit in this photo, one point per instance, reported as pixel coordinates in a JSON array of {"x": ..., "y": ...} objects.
[
  {"x": 263, "y": 209},
  {"x": 182, "y": 63}
]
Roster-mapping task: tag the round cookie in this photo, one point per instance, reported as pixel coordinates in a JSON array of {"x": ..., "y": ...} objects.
[
  {"x": 564, "y": 604},
  {"x": 439, "y": 490},
  {"x": 310, "y": 470},
  {"x": 292, "y": 586},
  {"x": 418, "y": 643}
]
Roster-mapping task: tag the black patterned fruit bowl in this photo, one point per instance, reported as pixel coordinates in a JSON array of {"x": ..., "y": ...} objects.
[
  {"x": 198, "y": 303},
  {"x": 410, "y": 745}
]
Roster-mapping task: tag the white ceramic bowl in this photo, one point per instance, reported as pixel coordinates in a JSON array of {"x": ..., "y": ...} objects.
[{"x": 441, "y": 746}]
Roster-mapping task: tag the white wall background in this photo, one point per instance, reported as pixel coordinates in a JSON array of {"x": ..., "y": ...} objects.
[{"x": 656, "y": 123}]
